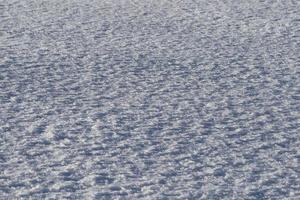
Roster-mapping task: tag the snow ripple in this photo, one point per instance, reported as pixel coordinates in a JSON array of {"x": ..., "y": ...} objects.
[{"x": 149, "y": 100}]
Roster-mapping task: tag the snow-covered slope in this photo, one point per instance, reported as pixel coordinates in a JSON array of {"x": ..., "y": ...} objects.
[{"x": 160, "y": 99}]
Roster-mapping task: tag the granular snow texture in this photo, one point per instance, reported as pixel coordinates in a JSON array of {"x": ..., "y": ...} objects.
[{"x": 158, "y": 99}]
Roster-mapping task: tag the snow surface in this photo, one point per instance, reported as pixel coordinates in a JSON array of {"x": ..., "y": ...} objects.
[{"x": 158, "y": 99}]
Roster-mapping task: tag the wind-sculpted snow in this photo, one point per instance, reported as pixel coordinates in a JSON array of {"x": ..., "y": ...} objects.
[{"x": 161, "y": 99}]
